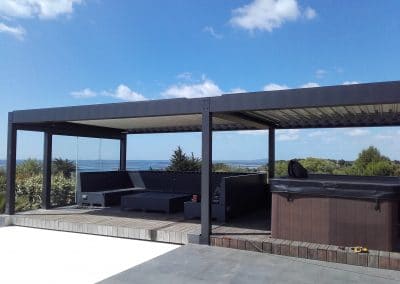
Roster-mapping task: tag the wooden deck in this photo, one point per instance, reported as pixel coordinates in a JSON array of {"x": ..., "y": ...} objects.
[{"x": 170, "y": 228}]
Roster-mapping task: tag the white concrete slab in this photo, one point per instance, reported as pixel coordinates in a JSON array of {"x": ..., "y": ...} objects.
[{"x": 30, "y": 255}]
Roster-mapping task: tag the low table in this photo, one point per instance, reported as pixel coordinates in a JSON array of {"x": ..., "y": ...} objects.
[
  {"x": 154, "y": 201},
  {"x": 192, "y": 210}
]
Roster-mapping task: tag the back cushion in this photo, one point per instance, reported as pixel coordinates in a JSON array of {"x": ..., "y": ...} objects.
[{"x": 102, "y": 181}]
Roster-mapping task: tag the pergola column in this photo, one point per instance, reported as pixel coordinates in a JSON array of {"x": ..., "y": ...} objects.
[
  {"x": 47, "y": 160},
  {"x": 122, "y": 152},
  {"x": 271, "y": 152},
  {"x": 11, "y": 166},
  {"x": 206, "y": 172}
]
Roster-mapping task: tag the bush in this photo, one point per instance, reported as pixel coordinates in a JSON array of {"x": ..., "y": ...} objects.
[
  {"x": 319, "y": 166},
  {"x": 62, "y": 190},
  {"x": 3, "y": 180},
  {"x": 29, "y": 168},
  {"x": 2, "y": 202},
  {"x": 28, "y": 192},
  {"x": 281, "y": 168},
  {"x": 223, "y": 168}
]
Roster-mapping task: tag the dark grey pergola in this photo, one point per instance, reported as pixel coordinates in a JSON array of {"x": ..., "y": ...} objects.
[{"x": 361, "y": 105}]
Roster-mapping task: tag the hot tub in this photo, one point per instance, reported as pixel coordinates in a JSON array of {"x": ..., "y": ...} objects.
[{"x": 337, "y": 210}]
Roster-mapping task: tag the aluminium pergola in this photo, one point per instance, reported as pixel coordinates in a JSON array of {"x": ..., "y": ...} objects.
[{"x": 361, "y": 105}]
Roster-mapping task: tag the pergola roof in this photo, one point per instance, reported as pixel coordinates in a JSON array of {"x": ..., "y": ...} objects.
[{"x": 372, "y": 104}]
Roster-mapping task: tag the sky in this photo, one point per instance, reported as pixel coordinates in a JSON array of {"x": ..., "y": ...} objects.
[{"x": 78, "y": 52}]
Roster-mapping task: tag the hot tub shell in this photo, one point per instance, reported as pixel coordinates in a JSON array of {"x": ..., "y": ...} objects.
[{"x": 337, "y": 210}]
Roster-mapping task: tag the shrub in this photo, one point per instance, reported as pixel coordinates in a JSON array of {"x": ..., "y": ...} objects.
[
  {"x": 62, "y": 190},
  {"x": 319, "y": 166},
  {"x": 2, "y": 202},
  {"x": 29, "y": 168}
]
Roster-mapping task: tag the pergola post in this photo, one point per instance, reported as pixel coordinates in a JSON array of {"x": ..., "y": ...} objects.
[
  {"x": 122, "y": 152},
  {"x": 206, "y": 172},
  {"x": 271, "y": 152},
  {"x": 47, "y": 159},
  {"x": 11, "y": 166}
]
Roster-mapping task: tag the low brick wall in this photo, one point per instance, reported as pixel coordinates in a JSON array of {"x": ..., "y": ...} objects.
[{"x": 374, "y": 258}]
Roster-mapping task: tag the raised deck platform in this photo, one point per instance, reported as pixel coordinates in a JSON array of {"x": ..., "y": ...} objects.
[{"x": 169, "y": 228}]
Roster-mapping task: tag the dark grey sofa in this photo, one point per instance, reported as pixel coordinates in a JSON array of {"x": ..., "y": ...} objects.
[
  {"x": 104, "y": 188},
  {"x": 232, "y": 193}
]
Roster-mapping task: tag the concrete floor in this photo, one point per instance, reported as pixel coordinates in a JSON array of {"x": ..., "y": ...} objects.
[{"x": 204, "y": 264}]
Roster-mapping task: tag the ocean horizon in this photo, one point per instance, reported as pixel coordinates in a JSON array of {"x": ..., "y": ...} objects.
[{"x": 109, "y": 165}]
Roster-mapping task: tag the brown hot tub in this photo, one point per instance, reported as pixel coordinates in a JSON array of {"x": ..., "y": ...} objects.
[{"x": 337, "y": 210}]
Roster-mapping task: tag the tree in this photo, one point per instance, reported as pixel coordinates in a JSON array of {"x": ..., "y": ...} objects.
[
  {"x": 181, "y": 162},
  {"x": 371, "y": 162},
  {"x": 64, "y": 167}
]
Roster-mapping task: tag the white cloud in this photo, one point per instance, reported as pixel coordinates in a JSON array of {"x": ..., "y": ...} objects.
[
  {"x": 288, "y": 135},
  {"x": 350, "y": 83},
  {"x": 17, "y": 32},
  {"x": 275, "y": 87},
  {"x": 310, "y": 85},
  {"x": 320, "y": 73},
  {"x": 122, "y": 92},
  {"x": 310, "y": 13},
  {"x": 84, "y": 94},
  {"x": 125, "y": 93},
  {"x": 267, "y": 15},
  {"x": 43, "y": 9},
  {"x": 253, "y": 132},
  {"x": 384, "y": 137},
  {"x": 212, "y": 32},
  {"x": 318, "y": 133},
  {"x": 237, "y": 90},
  {"x": 357, "y": 132},
  {"x": 206, "y": 88}
]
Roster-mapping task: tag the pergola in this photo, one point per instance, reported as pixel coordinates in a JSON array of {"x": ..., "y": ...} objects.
[{"x": 361, "y": 105}]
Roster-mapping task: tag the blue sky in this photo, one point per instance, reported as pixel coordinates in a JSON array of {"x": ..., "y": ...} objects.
[{"x": 75, "y": 52}]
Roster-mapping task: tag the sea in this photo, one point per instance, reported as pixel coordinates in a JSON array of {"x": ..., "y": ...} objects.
[{"x": 109, "y": 165}]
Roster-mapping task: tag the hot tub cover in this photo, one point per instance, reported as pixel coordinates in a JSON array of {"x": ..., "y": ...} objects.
[{"x": 378, "y": 188}]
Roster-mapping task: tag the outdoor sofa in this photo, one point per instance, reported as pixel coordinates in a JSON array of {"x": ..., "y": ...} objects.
[{"x": 167, "y": 191}]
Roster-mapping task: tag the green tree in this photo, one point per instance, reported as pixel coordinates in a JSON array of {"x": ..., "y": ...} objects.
[
  {"x": 368, "y": 156},
  {"x": 181, "y": 162},
  {"x": 64, "y": 167},
  {"x": 371, "y": 162}
]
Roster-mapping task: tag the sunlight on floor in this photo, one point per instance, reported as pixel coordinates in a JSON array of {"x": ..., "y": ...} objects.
[{"x": 42, "y": 256}]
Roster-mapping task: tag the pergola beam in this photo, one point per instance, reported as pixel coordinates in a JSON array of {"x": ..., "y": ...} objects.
[{"x": 72, "y": 129}]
